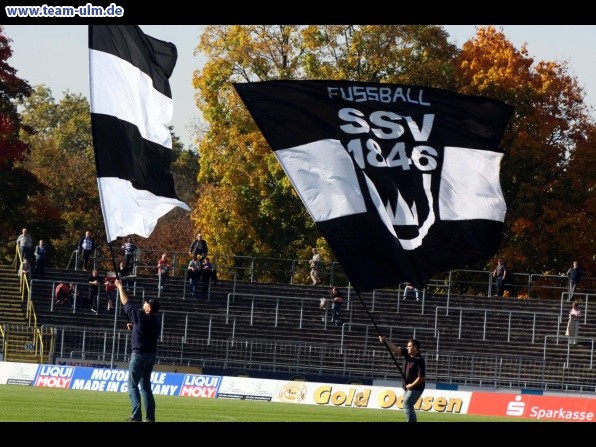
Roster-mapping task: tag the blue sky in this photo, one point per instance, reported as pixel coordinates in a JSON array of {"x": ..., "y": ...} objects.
[{"x": 57, "y": 55}]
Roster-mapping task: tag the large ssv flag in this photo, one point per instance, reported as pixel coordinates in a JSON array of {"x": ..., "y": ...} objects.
[
  {"x": 402, "y": 180},
  {"x": 131, "y": 104}
]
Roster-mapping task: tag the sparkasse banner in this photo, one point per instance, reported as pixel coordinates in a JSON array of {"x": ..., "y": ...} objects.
[{"x": 534, "y": 406}]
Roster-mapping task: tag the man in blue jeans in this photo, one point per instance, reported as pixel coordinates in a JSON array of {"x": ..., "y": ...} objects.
[
  {"x": 414, "y": 374},
  {"x": 146, "y": 328}
]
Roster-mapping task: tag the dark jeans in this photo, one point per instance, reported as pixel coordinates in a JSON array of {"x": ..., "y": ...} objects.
[
  {"x": 206, "y": 276},
  {"x": 163, "y": 279},
  {"x": 40, "y": 268},
  {"x": 193, "y": 279},
  {"x": 336, "y": 313},
  {"x": 500, "y": 286},
  {"x": 93, "y": 298},
  {"x": 26, "y": 253},
  {"x": 86, "y": 256},
  {"x": 139, "y": 375},
  {"x": 129, "y": 262}
]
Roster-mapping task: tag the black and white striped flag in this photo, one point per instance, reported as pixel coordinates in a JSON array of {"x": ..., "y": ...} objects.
[
  {"x": 402, "y": 180},
  {"x": 131, "y": 106}
]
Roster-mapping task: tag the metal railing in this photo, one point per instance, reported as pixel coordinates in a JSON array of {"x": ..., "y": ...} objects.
[
  {"x": 472, "y": 317},
  {"x": 297, "y": 271},
  {"x": 77, "y": 296},
  {"x": 570, "y": 346}
]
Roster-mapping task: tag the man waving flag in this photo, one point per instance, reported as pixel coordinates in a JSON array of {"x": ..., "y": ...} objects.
[
  {"x": 131, "y": 104},
  {"x": 402, "y": 180}
]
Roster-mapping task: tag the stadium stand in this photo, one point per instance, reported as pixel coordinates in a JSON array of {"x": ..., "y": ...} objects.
[{"x": 263, "y": 329}]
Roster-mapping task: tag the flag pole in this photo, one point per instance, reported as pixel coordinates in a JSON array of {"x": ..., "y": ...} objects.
[
  {"x": 116, "y": 309},
  {"x": 379, "y": 332}
]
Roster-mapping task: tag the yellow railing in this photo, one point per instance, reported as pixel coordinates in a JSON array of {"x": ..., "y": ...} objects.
[
  {"x": 3, "y": 341},
  {"x": 25, "y": 290},
  {"x": 38, "y": 343}
]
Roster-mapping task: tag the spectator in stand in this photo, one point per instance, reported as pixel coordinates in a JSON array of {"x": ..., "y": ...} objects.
[
  {"x": 122, "y": 270},
  {"x": 574, "y": 274},
  {"x": 25, "y": 269},
  {"x": 86, "y": 246},
  {"x": 110, "y": 288},
  {"x": 411, "y": 289},
  {"x": 41, "y": 256},
  {"x": 337, "y": 299},
  {"x": 163, "y": 271},
  {"x": 61, "y": 294},
  {"x": 206, "y": 274},
  {"x": 199, "y": 248},
  {"x": 95, "y": 280},
  {"x": 500, "y": 274},
  {"x": 25, "y": 244},
  {"x": 573, "y": 323},
  {"x": 314, "y": 263},
  {"x": 130, "y": 250},
  {"x": 193, "y": 273}
]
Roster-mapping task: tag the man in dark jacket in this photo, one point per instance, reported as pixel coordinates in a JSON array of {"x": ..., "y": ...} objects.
[
  {"x": 130, "y": 250},
  {"x": 501, "y": 274},
  {"x": 199, "y": 248},
  {"x": 574, "y": 274},
  {"x": 146, "y": 329}
]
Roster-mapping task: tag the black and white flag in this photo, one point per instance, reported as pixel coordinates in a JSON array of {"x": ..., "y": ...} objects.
[
  {"x": 131, "y": 106},
  {"x": 402, "y": 180}
]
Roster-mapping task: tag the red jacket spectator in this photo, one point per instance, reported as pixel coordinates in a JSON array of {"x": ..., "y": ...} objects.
[{"x": 61, "y": 296}]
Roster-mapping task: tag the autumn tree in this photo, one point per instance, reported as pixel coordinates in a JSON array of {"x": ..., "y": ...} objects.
[
  {"x": 546, "y": 175},
  {"x": 18, "y": 186},
  {"x": 247, "y": 205}
]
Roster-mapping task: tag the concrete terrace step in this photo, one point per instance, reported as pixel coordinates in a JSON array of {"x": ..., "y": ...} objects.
[{"x": 299, "y": 320}]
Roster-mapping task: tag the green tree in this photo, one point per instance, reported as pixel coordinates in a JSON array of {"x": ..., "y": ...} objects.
[
  {"x": 407, "y": 54},
  {"x": 247, "y": 204},
  {"x": 62, "y": 157}
]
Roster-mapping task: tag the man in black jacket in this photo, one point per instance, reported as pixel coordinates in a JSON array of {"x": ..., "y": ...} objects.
[
  {"x": 574, "y": 274},
  {"x": 199, "y": 248},
  {"x": 146, "y": 329}
]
